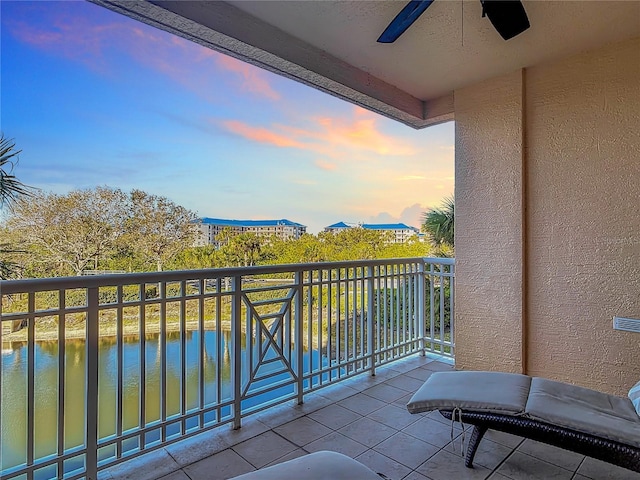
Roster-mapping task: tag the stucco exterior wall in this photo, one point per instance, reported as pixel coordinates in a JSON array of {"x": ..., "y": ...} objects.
[
  {"x": 488, "y": 195},
  {"x": 583, "y": 238},
  {"x": 537, "y": 287}
]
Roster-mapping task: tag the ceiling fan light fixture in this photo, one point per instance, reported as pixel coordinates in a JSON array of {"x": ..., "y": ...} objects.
[{"x": 508, "y": 17}]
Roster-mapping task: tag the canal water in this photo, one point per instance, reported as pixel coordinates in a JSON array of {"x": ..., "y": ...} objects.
[{"x": 13, "y": 399}]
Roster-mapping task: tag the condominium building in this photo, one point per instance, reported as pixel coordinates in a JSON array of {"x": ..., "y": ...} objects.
[
  {"x": 284, "y": 229},
  {"x": 400, "y": 232}
]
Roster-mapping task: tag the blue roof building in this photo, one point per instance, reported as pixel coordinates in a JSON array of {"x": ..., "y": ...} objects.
[
  {"x": 285, "y": 229},
  {"x": 401, "y": 232}
]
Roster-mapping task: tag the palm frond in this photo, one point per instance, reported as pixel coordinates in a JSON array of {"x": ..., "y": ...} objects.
[
  {"x": 439, "y": 222},
  {"x": 10, "y": 187}
]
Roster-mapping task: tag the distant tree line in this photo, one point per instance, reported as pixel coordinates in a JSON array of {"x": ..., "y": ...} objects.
[
  {"x": 48, "y": 234},
  {"x": 96, "y": 229},
  {"x": 106, "y": 229}
]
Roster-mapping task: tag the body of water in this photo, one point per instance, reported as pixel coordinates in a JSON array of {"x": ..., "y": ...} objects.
[{"x": 13, "y": 401}]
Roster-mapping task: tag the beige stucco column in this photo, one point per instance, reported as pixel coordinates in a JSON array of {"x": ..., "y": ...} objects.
[
  {"x": 489, "y": 225},
  {"x": 548, "y": 220}
]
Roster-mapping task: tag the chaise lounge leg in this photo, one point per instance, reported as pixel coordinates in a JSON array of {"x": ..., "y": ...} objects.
[{"x": 474, "y": 442}]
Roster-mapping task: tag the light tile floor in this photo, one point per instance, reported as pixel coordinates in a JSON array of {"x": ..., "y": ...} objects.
[{"x": 366, "y": 419}]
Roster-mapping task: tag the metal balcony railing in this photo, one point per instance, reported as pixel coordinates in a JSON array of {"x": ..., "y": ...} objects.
[{"x": 96, "y": 370}]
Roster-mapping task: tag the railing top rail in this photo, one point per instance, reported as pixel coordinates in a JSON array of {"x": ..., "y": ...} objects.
[
  {"x": 110, "y": 280},
  {"x": 440, "y": 260}
]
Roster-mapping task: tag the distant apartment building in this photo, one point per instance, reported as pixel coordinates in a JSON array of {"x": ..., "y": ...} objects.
[
  {"x": 284, "y": 229},
  {"x": 400, "y": 231}
]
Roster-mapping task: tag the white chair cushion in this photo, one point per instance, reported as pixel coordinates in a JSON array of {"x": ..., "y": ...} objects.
[
  {"x": 634, "y": 396},
  {"x": 584, "y": 410},
  {"x": 493, "y": 392},
  {"x": 315, "y": 466}
]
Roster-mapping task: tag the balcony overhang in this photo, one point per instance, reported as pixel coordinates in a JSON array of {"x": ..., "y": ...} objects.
[{"x": 331, "y": 45}]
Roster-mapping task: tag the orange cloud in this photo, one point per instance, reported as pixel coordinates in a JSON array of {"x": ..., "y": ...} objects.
[
  {"x": 254, "y": 80},
  {"x": 321, "y": 164},
  {"x": 362, "y": 133},
  {"x": 261, "y": 135},
  {"x": 328, "y": 136}
]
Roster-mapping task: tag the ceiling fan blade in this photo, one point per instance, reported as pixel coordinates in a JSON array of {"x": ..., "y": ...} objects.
[
  {"x": 507, "y": 16},
  {"x": 403, "y": 20}
]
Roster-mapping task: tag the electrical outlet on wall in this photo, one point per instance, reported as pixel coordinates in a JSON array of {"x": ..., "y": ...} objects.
[{"x": 626, "y": 324}]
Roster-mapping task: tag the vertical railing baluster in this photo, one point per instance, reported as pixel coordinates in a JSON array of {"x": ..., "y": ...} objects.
[
  {"x": 219, "y": 336},
  {"x": 298, "y": 333},
  {"x": 421, "y": 307},
  {"x": 320, "y": 322},
  {"x": 163, "y": 361},
  {"x": 201, "y": 352},
  {"x": 442, "y": 339},
  {"x": 452, "y": 279},
  {"x": 370, "y": 320},
  {"x": 309, "y": 328},
  {"x": 92, "y": 350},
  {"x": 338, "y": 320},
  {"x": 236, "y": 333},
  {"x": 432, "y": 318},
  {"x": 329, "y": 319},
  {"x": 61, "y": 375},
  {"x": 119, "y": 371},
  {"x": 31, "y": 328},
  {"x": 142, "y": 322},
  {"x": 183, "y": 356}
]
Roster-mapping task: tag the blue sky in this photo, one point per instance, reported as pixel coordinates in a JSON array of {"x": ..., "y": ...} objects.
[{"x": 95, "y": 98}]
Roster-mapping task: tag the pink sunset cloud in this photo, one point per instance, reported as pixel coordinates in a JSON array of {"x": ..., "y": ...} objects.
[
  {"x": 101, "y": 44},
  {"x": 334, "y": 137},
  {"x": 254, "y": 80},
  {"x": 322, "y": 165},
  {"x": 261, "y": 135}
]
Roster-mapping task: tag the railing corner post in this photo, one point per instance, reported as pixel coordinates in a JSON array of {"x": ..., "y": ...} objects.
[
  {"x": 370, "y": 320},
  {"x": 421, "y": 306},
  {"x": 298, "y": 332}
]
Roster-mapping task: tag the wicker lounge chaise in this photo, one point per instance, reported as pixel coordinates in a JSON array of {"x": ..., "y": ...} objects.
[{"x": 592, "y": 423}]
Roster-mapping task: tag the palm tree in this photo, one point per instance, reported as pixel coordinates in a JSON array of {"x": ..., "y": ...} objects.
[
  {"x": 11, "y": 189},
  {"x": 439, "y": 222}
]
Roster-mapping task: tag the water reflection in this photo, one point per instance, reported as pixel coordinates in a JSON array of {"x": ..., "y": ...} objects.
[{"x": 216, "y": 371}]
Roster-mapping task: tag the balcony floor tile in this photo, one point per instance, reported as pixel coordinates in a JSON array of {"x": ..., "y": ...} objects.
[
  {"x": 382, "y": 464},
  {"x": 335, "y": 416},
  {"x": 393, "y": 416},
  {"x": 224, "y": 464},
  {"x": 362, "y": 404},
  {"x": 521, "y": 466},
  {"x": 374, "y": 428},
  {"x": 302, "y": 431},
  {"x": 264, "y": 449},
  {"x": 367, "y": 431},
  {"x": 338, "y": 443}
]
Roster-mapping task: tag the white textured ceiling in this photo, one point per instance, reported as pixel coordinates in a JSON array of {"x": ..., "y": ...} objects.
[
  {"x": 332, "y": 45},
  {"x": 450, "y": 45}
]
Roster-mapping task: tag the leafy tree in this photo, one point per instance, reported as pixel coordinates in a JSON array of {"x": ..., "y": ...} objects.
[
  {"x": 354, "y": 243},
  {"x": 11, "y": 189},
  {"x": 71, "y": 232},
  {"x": 158, "y": 229},
  {"x": 196, "y": 258},
  {"x": 306, "y": 249},
  {"x": 243, "y": 249},
  {"x": 439, "y": 223}
]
